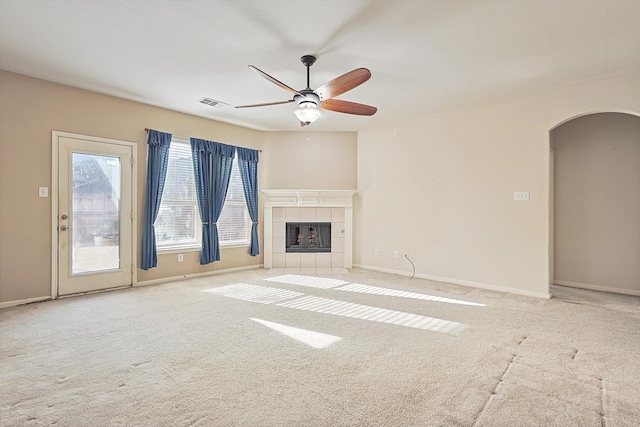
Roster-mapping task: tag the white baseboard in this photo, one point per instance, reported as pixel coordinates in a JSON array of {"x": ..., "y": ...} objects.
[
  {"x": 15, "y": 303},
  {"x": 461, "y": 282},
  {"x": 632, "y": 292},
  {"x": 193, "y": 275}
]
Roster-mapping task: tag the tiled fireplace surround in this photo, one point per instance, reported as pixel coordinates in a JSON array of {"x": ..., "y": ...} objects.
[{"x": 282, "y": 206}]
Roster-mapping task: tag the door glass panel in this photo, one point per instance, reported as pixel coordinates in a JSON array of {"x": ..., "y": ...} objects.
[{"x": 95, "y": 211}]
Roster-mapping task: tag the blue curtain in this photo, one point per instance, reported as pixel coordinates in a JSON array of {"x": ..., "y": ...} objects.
[
  {"x": 212, "y": 163},
  {"x": 248, "y": 164},
  {"x": 157, "y": 159}
]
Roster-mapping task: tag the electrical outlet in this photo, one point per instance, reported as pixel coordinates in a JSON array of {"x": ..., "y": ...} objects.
[
  {"x": 396, "y": 253},
  {"x": 180, "y": 257},
  {"x": 43, "y": 191},
  {"x": 377, "y": 251},
  {"x": 521, "y": 196}
]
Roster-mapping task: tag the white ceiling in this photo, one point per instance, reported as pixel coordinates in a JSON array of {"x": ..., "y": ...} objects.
[{"x": 424, "y": 55}]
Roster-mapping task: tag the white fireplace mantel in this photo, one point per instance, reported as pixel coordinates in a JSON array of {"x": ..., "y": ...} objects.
[
  {"x": 340, "y": 200},
  {"x": 322, "y": 198}
]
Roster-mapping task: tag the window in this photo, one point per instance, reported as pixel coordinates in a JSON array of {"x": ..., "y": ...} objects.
[
  {"x": 234, "y": 223},
  {"x": 178, "y": 224}
]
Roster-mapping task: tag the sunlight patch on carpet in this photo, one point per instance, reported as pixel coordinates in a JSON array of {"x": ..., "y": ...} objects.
[
  {"x": 308, "y": 281},
  {"x": 254, "y": 293},
  {"x": 300, "y": 301},
  {"x": 305, "y": 336},
  {"x": 375, "y": 314},
  {"x": 366, "y": 289}
]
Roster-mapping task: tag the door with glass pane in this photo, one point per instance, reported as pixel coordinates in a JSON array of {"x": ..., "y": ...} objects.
[{"x": 94, "y": 215}]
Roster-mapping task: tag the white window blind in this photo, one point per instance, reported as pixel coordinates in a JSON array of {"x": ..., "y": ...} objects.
[
  {"x": 233, "y": 224},
  {"x": 178, "y": 224}
]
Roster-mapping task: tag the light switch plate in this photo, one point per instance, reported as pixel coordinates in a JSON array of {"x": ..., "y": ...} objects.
[
  {"x": 43, "y": 191},
  {"x": 521, "y": 196}
]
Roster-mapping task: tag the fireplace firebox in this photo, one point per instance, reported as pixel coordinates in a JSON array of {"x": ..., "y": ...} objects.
[{"x": 308, "y": 237}]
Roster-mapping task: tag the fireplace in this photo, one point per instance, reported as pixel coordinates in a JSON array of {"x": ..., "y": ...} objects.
[
  {"x": 288, "y": 238},
  {"x": 308, "y": 237}
]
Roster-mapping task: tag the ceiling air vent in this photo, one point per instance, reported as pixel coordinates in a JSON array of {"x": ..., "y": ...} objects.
[{"x": 213, "y": 103}]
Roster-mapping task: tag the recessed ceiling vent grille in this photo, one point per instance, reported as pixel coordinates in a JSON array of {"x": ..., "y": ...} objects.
[{"x": 213, "y": 103}]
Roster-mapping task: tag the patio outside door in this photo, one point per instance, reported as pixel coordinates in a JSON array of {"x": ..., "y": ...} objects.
[{"x": 94, "y": 214}]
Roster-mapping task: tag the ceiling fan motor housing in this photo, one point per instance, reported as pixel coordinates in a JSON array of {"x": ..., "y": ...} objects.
[{"x": 307, "y": 99}]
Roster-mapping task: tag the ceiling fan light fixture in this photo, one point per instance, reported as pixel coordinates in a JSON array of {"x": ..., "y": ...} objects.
[{"x": 307, "y": 115}]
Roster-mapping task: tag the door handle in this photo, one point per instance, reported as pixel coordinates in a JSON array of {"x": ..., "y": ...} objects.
[{"x": 64, "y": 228}]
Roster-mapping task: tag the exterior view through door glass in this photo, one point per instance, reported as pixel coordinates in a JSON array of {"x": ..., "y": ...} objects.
[
  {"x": 94, "y": 215},
  {"x": 95, "y": 208}
]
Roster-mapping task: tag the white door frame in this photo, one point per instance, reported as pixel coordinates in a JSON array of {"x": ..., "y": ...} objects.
[{"x": 55, "y": 135}]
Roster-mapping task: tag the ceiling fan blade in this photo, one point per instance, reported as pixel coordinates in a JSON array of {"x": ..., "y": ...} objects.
[
  {"x": 348, "y": 107},
  {"x": 265, "y": 104},
  {"x": 343, "y": 83},
  {"x": 274, "y": 81}
]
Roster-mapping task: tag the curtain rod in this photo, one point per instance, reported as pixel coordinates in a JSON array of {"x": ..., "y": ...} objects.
[{"x": 182, "y": 136}]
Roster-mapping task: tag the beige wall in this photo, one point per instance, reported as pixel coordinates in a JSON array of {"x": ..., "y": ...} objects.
[
  {"x": 29, "y": 110},
  {"x": 597, "y": 202},
  {"x": 440, "y": 187},
  {"x": 310, "y": 160}
]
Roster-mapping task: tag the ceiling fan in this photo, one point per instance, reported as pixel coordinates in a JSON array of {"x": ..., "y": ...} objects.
[{"x": 310, "y": 101}]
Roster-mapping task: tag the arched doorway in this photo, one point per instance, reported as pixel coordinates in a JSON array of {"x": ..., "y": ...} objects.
[{"x": 595, "y": 203}]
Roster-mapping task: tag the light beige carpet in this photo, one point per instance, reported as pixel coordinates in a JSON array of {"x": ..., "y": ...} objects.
[{"x": 358, "y": 349}]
